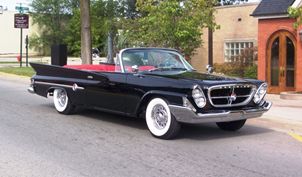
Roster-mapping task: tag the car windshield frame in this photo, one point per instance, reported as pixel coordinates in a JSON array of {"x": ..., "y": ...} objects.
[{"x": 185, "y": 65}]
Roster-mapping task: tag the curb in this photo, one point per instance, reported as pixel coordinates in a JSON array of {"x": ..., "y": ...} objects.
[
  {"x": 290, "y": 96},
  {"x": 14, "y": 77}
]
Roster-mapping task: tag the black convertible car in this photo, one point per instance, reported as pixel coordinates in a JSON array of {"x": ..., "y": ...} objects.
[{"x": 156, "y": 84}]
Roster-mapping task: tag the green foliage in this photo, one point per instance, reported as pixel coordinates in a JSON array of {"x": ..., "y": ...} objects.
[
  {"x": 159, "y": 23},
  {"x": 242, "y": 65},
  {"x": 105, "y": 18},
  {"x": 296, "y": 13},
  {"x": 174, "y": 23},
  {"x": 236, "y": 70},
  {"x": 251, "y": 72},
  {"x": 73, "y": 35},
  {"x": 51, "y": 16}
]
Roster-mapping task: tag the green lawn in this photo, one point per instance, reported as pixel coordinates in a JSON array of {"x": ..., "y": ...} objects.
[
  {"x": 9, "y": 62},
  {"x": 24, "y": 71}
]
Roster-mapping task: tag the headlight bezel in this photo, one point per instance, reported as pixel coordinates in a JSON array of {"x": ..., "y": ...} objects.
[
  {"x": 258, "y": 97},
  {"x": 198, "y": 96}
]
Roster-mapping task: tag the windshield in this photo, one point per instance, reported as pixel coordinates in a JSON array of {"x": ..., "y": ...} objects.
[{"x": 153, "y": 60}]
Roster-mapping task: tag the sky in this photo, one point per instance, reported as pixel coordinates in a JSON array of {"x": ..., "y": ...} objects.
[{"x": 10, "y": 4}]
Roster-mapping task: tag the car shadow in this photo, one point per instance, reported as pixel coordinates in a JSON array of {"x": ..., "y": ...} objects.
[
  {"x": 210, "y": 131},
  {"x": 204, "y": 132},
  {"x": 114, "y": 118}
]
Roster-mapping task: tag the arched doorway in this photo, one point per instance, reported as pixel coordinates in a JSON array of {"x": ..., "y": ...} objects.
[{"x": 281, "y": 62}]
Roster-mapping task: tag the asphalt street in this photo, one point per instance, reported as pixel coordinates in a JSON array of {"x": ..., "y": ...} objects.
[{"x": 37, "y": 141}]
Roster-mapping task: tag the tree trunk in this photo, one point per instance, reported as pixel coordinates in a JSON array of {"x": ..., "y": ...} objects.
[
  {"x": 85, "y": 32},
  {"x": 110, "y": 48}
]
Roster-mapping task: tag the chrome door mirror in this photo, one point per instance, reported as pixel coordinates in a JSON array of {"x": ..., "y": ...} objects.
[
  {"x": 134, "y": 68},
  {"x": 210, "y": 69}
]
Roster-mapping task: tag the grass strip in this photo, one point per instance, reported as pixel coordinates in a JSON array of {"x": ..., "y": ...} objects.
[{"x": 24, "y": 71}]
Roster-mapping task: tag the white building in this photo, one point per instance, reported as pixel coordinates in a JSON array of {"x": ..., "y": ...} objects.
[{"x": 10, "y": 36}]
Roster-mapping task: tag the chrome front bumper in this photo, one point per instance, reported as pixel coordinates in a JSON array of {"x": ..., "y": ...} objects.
[
  {"x": 186, "y": 115},
  {"x": 31, "y": 89}
]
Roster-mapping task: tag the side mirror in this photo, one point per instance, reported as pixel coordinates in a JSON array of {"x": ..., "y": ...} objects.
[
  {"x": 134, "y": 68},
  {"x": 210, "y": 69}
]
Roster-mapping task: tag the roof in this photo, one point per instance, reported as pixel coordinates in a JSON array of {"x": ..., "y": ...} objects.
[{"x": 272, "y": 7}]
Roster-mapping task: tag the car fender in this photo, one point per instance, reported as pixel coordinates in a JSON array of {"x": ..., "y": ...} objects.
[{"x": 170, "y": 97}]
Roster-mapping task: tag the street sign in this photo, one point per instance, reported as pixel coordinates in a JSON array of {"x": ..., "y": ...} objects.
[
  {"x": 21, "y": 20},
  {"x": 21, "y": 9}
]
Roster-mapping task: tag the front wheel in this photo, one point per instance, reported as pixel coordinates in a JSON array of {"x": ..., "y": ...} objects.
[
  {"x": 161, "y": 123},
  {"x": 62, "y": 102},
  {"x": 231, "y": 126}
]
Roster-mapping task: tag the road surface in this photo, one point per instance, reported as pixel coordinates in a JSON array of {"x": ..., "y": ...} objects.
[{"x": 37, "y": 141}]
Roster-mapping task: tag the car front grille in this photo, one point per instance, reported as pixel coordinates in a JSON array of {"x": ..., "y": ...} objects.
[{"x": 231, "y": 95}]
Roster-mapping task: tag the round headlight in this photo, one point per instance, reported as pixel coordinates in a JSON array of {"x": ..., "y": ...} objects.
[
  {"x": 198, "y": 97},
  {"x": 260, "y": 93}
]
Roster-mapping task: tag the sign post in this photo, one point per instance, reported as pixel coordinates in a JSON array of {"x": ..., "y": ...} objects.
[
  {"x": 26, "y": 47},
  {"x": 21, "y": 21}
]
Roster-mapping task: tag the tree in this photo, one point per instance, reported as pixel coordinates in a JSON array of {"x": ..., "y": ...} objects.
[
  {"x": 174, "y": 23},
  {"x": 86, "y": 54},
  {"x": 297, "y": 14},
  {"x": 51, "y": 17}
]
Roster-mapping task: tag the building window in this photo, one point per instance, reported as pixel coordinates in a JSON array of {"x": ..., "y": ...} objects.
[{"x": 234, "y": 50}]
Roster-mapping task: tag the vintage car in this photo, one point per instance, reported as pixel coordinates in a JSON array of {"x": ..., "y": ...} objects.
[{"x": 156, "y": 84}]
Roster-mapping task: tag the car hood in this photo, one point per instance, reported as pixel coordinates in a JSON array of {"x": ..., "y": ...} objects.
[{"x": 201, "y": 78}]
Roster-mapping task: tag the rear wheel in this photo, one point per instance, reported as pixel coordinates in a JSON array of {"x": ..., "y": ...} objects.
[
  {"x": 231, "y": 126},
  {"x": 62, "y": 102},
  {"x": 161, "y": 123}
]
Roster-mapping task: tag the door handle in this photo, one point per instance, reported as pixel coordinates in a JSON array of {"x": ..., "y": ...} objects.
[
  {"x": 138, "y": 75},
  {"x": 282, "y": 71},
  {"x": 112, "y": 84}
]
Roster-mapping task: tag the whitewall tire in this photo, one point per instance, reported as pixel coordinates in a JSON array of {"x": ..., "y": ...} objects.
[
  {"x": 161, "y": 123},
  {"x": 62, "y": 102}
]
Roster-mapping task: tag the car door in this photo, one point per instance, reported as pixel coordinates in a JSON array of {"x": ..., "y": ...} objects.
[{"x": 108, "y": 94}]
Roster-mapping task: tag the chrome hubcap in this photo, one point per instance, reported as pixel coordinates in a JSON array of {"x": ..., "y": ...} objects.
[
  {"x": 159, "y": 116},
  {"x": 62, "y": 98}
]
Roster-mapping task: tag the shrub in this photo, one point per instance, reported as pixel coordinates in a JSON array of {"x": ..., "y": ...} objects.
[
  {"x": 236, "y": 70},
  {"x": 251, "y": 72},
  {"x": 242, "y": 65}
]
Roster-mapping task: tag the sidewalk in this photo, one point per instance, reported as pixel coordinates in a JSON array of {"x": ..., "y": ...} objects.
[
  {"x": 12, "y": 61},
  {"x": 290, "y": 110}
]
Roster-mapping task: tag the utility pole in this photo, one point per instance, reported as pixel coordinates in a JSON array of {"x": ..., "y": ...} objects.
[
  {"x": 21, "y": 36},
  {"x": 210, "y": 46},
  {"x": 86, "y": 54},
  {"x": 26, "y": 48},
  {"x": 210, "y": 38}
]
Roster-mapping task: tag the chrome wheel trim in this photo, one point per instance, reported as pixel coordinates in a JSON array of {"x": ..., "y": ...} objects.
[
  {"x": 60, "y": 99},
  {"x": 158, "y": 117}
]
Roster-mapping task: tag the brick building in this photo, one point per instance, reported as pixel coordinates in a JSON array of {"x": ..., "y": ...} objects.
[{"x": 279, "y": 46}]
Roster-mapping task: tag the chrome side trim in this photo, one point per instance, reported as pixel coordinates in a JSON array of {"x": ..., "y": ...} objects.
[
  {"x": 121, "y": 61},
  {"x": 59, "y": 85},
  {"x": 232, "y": 86},
  {"x": 186, "y": 115}
]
